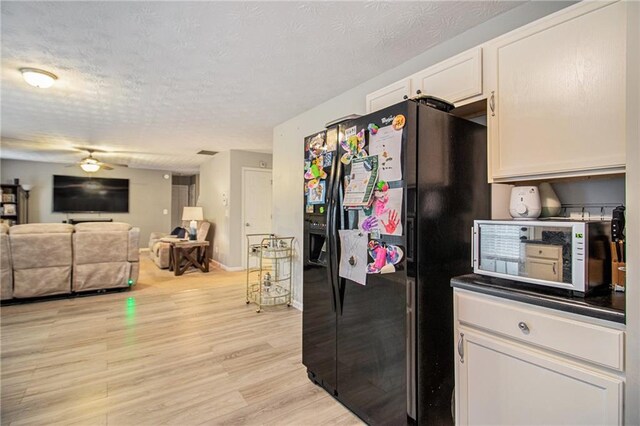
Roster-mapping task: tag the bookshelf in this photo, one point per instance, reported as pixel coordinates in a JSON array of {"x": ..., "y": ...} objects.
[{"x": 13, "y": 205}]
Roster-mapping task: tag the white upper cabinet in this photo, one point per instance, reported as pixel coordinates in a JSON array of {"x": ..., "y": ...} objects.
[
  {"x": 454, "y": 80},
  {"x": 457, "y": 80},
  {"x": 390, "y": 95},
  {"x": 557, "y": 94}
]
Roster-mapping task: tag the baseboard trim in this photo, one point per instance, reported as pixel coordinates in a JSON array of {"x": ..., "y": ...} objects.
[
  {"x": 296, "y": 304},
  {"x": 225, "y": 267}
]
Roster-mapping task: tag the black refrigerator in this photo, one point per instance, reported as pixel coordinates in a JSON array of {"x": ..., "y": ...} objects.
[{"x": 385, "y": 349}]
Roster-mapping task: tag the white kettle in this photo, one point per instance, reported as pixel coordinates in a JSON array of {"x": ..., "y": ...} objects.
[{"x": 525, "y": 202}]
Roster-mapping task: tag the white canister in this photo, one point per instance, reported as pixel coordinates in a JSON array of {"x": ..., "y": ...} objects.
[{"x": 525, "y": 202}]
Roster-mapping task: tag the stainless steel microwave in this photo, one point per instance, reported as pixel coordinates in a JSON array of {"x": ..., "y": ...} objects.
[{"x": 572, "y": 255}]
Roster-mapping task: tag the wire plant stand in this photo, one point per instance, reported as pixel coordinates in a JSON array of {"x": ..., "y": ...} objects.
[{"x": 269, "y": 269}]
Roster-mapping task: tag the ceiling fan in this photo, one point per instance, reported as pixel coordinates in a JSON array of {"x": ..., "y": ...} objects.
[{"x": 91, "y": 164}]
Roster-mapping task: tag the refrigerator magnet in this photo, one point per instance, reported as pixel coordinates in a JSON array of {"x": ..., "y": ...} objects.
[
  {"x": 328, "y": 158},
  {"x": 353, "y": 147},
  {"x": 309, "y": 208},
  {"x": 316, "y": 169},
  {"x": 385, "y": 257},
  {"x": 317, "y": 194},
  {"x": 398, "y": 122},
  {"x": 316, "y": 145}
]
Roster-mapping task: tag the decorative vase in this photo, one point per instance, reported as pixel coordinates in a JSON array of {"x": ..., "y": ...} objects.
[{"x": 550, "y": 202}]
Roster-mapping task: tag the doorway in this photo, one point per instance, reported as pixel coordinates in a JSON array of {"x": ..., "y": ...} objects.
[
  {"x": 256, "y": 204},
  {"x": 183, "y": 194}
]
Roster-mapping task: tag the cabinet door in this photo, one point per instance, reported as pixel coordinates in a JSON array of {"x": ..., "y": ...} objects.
[
  {"x": 557, "y": 95},
  {"x": 499, "y": 382},
  {"x": 387, "y": 96},
  {"x": 453, "y": 80}
]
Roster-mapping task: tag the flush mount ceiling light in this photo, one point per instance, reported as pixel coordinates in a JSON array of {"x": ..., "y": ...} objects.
[{"x": 38, "y": 78}]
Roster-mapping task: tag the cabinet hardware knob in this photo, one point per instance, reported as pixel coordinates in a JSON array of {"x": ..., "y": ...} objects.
[
  {"x": 523, "y": 327},
  {"x": 461, "y": 348},
  {"x": 492, "y": 103}
]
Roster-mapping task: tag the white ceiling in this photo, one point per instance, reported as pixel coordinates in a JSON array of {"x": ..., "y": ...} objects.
[{"x": 159, "y": 81}]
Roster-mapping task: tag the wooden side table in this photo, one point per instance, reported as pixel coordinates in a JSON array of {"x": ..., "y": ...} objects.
[{"x": 186, "y": 254}]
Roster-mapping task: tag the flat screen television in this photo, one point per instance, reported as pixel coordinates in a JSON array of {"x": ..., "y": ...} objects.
[{"x": 77, "y": 194}]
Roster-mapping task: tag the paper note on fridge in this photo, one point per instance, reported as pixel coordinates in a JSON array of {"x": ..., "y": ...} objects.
[
  {"x": 387, "y": 145},
  {"x": 361, "y": 181},
  {"x": 353, "y": 255}
]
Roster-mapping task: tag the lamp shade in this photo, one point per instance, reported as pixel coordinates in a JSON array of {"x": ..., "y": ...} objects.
[{"x": 192, "y": 213}]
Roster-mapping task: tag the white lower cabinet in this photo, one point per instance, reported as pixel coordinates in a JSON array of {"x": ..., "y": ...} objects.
[{"x": 504, "y": 381}]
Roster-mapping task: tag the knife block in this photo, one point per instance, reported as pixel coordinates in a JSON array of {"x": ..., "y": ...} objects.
[{"x": 618, "y": 277}]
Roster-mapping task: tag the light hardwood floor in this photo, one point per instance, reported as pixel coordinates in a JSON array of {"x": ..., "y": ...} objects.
[{"x": 175, "y": 350}]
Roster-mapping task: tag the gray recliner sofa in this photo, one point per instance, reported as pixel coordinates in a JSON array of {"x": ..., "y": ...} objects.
[
  {"x": 43, "y": 259},
  {"x": 6, "y": 275},
  {"x": 105, "y": 255},
  {"x": 41, "y": 256}
]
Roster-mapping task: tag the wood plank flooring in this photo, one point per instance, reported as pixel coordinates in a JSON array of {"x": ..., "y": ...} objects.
[{"x": 175, "y": 350}]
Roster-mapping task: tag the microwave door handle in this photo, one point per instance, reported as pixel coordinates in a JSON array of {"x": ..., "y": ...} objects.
[{"x": 473, "y": 243}]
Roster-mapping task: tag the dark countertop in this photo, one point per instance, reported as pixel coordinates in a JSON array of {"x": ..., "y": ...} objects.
[{"x": 607, "y": 306}]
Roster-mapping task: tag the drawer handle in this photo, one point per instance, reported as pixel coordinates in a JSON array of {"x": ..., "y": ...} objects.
[
  {"x": 523, "y": 327},
  {"x": 554, "y": 268},
  {"x": 461, "y": 348}
]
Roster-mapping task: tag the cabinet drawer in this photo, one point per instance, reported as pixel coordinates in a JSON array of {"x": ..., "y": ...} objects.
[
  {"x": 589, "y": 342},
  {"x": 543, "y": 250}
]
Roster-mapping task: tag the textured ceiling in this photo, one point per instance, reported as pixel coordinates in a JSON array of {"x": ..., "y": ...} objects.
[{"x": 159, "y": 81}]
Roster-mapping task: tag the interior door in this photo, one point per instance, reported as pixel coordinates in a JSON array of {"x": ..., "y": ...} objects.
[
  {"x": 256, "y": 204},
  {"x": 179, "y": 200}
]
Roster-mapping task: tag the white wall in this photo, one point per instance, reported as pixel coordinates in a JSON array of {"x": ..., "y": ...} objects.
[
  {"x": 215, "y": 178},
  {"x": 223, "y": 174},
  {"x": 149, "y": 194},
  {"x": 288, "y": 136}
]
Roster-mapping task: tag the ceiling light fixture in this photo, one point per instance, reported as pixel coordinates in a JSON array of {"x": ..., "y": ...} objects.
[
  {"x": 38, "y": 78},
  {"x": 90, "y": 165}
]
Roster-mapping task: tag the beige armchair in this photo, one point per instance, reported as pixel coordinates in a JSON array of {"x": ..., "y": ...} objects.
[
  {"x": 159, "y": 251},
  {"x": 41, "y": 254},
  {"x": 106, "y": 255},
  {"x": 6, "y": 275}
]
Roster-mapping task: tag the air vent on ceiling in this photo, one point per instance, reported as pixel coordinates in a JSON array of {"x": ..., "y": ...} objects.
[{"x": 205, "y": 152}]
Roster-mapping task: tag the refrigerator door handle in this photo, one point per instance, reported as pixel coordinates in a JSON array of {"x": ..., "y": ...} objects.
[
  {"x": 330, "y": 265},
  {"x": 334, "y": 208},
  {"x": 330, "y": 235}
]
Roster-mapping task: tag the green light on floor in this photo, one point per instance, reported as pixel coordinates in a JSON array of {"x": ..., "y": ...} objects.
[{"x": 131, "y": 312}]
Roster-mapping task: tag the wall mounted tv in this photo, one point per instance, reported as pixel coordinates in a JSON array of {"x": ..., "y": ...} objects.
[{"x": 77, "y": 194}]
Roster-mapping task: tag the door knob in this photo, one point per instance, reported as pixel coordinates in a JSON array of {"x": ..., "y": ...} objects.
[{"x": 247, "y": 224}]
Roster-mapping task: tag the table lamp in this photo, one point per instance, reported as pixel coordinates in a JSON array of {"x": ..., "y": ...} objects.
[{"x": 193, "y": 214}]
